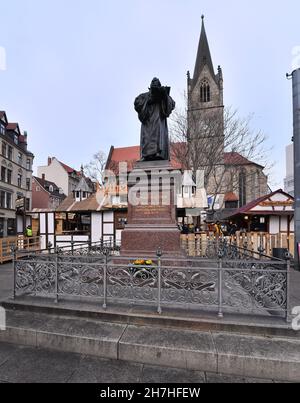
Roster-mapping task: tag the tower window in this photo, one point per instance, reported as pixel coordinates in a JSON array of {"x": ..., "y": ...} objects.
[
  {"x": 242, "y": 188},
  {"x": 205, "y": 91}
]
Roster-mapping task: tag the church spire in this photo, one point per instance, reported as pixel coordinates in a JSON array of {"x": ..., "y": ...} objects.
[{"x": 203, "y": 55}]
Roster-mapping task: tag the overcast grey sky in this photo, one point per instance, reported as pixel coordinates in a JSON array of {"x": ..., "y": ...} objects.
[{"x": 74, "y": 67}]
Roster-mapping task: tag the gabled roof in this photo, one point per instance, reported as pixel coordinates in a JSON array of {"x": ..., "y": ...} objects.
[
  {"x": 45, "y": 184},
  {"x": 13, "y": 127},
  {"x": 203, "y": 55},
  {"x": 234, "y": 158},
  {"x": 68, "y": 168},
  {"x": 83, "y": 186},
  {"x": 87, "y": 205},
  {"x": 248, "y": 207},
  {"x": 188, "y": 179}
]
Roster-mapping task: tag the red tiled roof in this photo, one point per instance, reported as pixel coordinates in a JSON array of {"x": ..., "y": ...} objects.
[
  {"x": 234, "y": 158},
  {"x": 69, "y": 169},
  {"x": 12, "y": 126},
  {"x": 231, "y": 197},
  {"x": 131, "y": 155}
]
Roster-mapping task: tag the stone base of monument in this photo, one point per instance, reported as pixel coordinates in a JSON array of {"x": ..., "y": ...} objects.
[
  {"x": 152, "y": 222},
  {"x": 143, "y": 241}
]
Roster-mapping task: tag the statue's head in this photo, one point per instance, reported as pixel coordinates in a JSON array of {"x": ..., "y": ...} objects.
[{"x": 155, "y": 83}]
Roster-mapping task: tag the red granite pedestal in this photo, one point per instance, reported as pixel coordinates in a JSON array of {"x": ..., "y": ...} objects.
[{"x": 152, "y": 224}]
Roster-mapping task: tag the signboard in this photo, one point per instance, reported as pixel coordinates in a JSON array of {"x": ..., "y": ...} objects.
[
  {"x": 20, "y": 204},
  {"x": 287, "y": 203}
]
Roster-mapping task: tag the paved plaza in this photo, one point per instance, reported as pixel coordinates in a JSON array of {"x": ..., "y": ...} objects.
[{"x": 29, "y": 365}]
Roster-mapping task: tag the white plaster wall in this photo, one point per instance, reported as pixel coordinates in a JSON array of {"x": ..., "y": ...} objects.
[
  {"x": 51, "y": 220},
  {"x": 274, "y": 225},
  {"x": 55, "y": 173},
  {"x": 42, "y": 223},
  {"x": 283, "y": 224},
  {"x": 108, "y": 229},
  {"x": 96, "y": 227},
  {"x": 108, "y": 216}
]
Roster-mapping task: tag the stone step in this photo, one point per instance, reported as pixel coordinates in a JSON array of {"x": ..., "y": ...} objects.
[
  {"x": 178, "y": 318},
  {"x": 219, "y": 352}
]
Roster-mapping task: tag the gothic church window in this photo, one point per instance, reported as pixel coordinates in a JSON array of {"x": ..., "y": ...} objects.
[
  {"x": 205, "y": 91},
  {"x": 242, "y": 188}
]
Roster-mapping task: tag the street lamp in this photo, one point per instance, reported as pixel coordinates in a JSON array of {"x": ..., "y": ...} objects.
[{"x": 295, "y": 76}]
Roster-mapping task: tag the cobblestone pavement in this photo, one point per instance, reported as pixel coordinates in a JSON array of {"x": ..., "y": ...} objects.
[{"x": 29, "y": 365}]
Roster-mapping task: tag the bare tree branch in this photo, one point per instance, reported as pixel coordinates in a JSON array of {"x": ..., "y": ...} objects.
[{"x": 224, "y": 146}]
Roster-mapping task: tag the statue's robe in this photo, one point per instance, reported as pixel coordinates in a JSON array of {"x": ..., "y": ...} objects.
[{"x": 154, "y": 132}]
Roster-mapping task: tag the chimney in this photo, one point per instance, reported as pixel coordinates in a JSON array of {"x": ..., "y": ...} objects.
[
  {"x": 49, "y": 160},
  {"x": 43, "y": 178}
]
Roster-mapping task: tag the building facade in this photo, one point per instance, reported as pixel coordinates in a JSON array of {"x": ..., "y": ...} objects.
[
  {"x": 289, "y": 178},
  {"x": 61, "y": 174},
  {"x": 16, "y": 179}
]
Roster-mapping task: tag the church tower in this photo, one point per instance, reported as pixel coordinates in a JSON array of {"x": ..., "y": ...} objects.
[{"x": 205, "y": 96}]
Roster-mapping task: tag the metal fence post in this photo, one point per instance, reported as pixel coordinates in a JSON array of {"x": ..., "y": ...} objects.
[
  {"x": 220, "y": 296},
  {"x": 14, "y": 252},
  {"x": 159, "y": 256},
  {"x": 56, "y": 274},
  {"x": 72, "y": 245},
  {"x": 288, "y": 277},
  {"x": 105, "y": 280}
]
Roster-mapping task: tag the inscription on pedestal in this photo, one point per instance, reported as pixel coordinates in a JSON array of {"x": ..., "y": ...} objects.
[{"x": 152, "y": 211}]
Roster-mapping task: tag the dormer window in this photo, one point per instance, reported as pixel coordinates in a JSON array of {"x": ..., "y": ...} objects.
[
  {"x": 51, "y": 189},
  {"x": 16, "y": 139},
  {"x": 204, "y": 91},
  {"x": 2, "y": 129}
]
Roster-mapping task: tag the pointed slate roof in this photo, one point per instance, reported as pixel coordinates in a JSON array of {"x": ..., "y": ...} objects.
[
  {"x": 83, "y": 186},
  {"x": 203, "y": 55}
]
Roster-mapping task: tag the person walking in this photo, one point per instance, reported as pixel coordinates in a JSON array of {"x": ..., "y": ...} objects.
[{"x": 29, "y": 234}]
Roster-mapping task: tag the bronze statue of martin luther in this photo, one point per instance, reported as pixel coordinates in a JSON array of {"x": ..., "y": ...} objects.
[{"x": 153, "y": 108}]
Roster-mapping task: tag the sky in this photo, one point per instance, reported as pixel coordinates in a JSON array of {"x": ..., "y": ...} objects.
[{"x": 70, "y": 70}]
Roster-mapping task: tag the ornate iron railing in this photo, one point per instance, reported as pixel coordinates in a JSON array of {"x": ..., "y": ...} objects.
[{"x": 219, "y": 285}]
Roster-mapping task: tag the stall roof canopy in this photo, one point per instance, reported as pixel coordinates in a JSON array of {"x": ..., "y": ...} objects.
[
  {"x": 70, "y": 204},
  {"x": 275, "y": 203}
]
